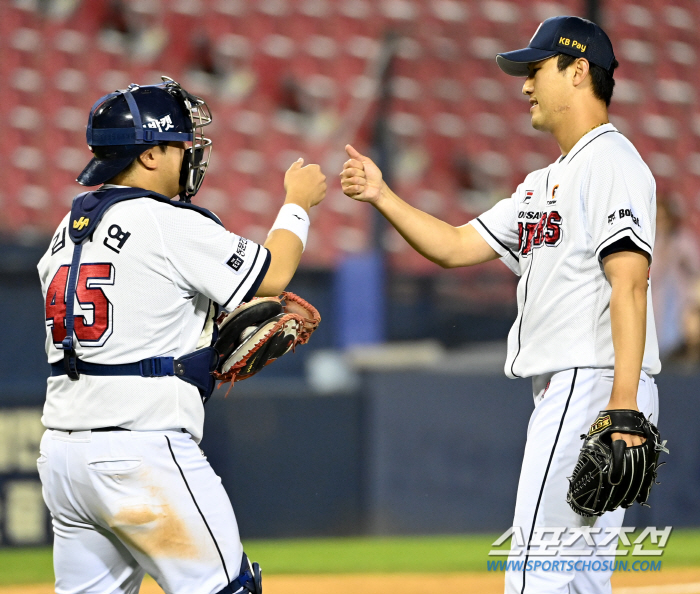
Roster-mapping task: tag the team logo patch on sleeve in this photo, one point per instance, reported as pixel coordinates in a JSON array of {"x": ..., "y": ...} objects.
[{"x": 236, "y": 261}]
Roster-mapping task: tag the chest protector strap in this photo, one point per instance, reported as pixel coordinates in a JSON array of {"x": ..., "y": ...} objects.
[{"x": 194, "y": 368}]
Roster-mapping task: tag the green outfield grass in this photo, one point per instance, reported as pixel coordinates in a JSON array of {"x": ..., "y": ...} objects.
[
  {"x": 352, "y": 555},
  {"x": 415, "y": 554}
]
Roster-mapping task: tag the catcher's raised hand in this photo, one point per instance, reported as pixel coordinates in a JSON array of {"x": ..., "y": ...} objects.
[
  {"x": 360, "y": 178},
  {"x": 305, "y": 185}
]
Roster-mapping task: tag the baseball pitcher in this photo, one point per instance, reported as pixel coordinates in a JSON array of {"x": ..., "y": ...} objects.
[{"x": 580, "y": 234}]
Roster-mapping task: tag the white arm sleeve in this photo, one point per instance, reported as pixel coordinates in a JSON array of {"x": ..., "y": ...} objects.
[
  {"x": 499, "y": 228},
  {"x": 621, "y": 201},
  {"x": 204, "y": 257}
]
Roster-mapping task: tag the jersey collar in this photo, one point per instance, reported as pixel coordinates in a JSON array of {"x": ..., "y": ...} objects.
[{"x": 586, "y": 138}]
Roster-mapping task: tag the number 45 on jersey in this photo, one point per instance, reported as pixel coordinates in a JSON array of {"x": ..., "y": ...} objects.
[{"x": 93, "y": 318}]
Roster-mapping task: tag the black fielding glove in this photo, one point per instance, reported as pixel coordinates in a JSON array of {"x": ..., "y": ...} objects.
[{"x": 609, "y": 474}]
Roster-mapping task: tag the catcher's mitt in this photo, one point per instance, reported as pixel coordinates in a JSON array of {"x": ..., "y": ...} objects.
[
  {"x": 258, "y": 332},
  {"x": 609, "y": 474}
]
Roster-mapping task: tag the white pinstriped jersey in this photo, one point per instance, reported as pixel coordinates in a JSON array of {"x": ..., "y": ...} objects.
[
  {"x": 551, "y": 233},
  {"x": 147, "y": 280}
]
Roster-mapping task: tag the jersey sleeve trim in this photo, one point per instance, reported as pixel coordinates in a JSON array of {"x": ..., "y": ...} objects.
[
  {"x": 626, "y": 232},
  {"x": 498, "y": 241},
  {"x": 250, "y": 283},
  {"x": 512, "y": 262},
  {"x": 621, "y": 245},
  {"x": 261, "y": 275}
]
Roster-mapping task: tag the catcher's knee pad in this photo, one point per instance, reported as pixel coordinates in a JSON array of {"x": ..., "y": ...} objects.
[{"x": 248, "y": 582}]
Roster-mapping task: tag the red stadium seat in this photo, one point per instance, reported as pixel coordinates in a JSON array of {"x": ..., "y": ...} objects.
[{"x": 449, "y": 100}]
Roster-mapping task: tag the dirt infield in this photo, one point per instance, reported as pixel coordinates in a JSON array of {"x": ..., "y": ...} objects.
[{"x": 672, "y": 581}]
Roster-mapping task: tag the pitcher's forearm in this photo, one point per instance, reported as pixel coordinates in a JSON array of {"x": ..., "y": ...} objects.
[
  {"x": 434, "y": 239},
  {"x": 627, "y": 273},
  {"x": 628, "y": 305}
]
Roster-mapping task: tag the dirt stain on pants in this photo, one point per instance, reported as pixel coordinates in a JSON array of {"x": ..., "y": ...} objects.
[{"x": 154, "y": 530}]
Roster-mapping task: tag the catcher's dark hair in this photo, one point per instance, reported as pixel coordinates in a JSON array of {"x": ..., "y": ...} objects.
[{"x": 602, "y": 79}]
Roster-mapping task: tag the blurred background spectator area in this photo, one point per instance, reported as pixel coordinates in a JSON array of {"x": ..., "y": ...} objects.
[{"x": 299, "y": 77}]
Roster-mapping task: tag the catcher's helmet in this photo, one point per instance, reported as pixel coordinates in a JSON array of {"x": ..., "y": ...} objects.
[{"x": 124, "y": 124}]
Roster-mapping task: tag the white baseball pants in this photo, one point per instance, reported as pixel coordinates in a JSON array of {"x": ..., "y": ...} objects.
[
  {"x": 124, "y": 503},
  {"x": 566, "y": 403}
]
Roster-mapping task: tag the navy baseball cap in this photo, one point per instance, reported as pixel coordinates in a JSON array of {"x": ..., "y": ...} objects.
[{"x": 569, "y": 35}]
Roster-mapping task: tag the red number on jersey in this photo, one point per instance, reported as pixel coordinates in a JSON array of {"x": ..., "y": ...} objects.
[
  {"x": 56, "y": 304},
  {"x": 90, "y": 297}
]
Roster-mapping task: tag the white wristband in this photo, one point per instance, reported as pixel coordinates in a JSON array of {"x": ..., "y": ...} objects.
[{"x": 294, "y": 218}]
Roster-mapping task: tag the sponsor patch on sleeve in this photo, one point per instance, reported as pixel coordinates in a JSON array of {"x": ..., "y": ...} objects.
[
  {"x": 236, "y": 261},
  {"x": 624, "y": 215}
]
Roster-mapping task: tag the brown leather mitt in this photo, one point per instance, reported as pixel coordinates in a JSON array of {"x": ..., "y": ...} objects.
[{"x": 258, "y": 332}]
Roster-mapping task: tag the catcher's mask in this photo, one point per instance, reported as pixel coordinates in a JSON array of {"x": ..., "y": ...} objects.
[{"x": 124, "y": 124}]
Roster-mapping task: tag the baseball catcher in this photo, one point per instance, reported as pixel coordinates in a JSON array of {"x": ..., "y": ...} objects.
[
  {"x": 133, "y": 282},
  {"x": 609, "y": 474},
  {"x": 257, "y": 333}
]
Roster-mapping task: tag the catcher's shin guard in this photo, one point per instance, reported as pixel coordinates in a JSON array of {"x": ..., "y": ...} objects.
[{"x": 248, "y": 582}]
